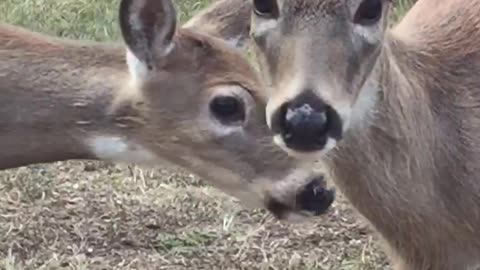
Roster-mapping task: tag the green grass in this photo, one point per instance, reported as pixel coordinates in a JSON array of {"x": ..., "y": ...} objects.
[
  {"x": 94, "y": 215},
  {"x": 82, "y": 19},
  {"x": 401, "y": 7}
]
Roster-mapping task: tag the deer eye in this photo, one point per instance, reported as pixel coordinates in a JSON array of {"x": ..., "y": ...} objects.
[
  {"x": 227, "y": 109},
  {"x": 369, "y": 12},
  {"x": 265, "y": 8}
]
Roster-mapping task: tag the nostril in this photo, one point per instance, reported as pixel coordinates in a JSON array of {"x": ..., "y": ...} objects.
[
  {"x": 305, "y": 124},
  {"x": 305, "y": 117},
  {"x": 296, "y": 115}
]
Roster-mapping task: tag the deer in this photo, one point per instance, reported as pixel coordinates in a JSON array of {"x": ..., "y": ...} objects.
[
  {"x": 166, "y": 94},
  {"x": 390, "y": 111},
  {"x": 393, "y": 113}
]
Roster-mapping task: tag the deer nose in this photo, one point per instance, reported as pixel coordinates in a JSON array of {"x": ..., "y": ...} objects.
[{"x": 306, "y": 122}]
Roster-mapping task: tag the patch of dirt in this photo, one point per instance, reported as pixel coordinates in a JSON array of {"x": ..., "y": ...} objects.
[{"x": 93, "y": 215}]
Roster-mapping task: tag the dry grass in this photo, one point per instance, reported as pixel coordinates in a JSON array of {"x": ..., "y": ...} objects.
[
  {"x": 93, "y": 215},
  {"x": 114, "y": 217}
]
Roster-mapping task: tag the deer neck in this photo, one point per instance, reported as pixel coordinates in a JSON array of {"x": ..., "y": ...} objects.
[
  {"x": 57, "y": 99},
  {"x": 408, "y": 168},
  {"x": 379, "y": 162}
]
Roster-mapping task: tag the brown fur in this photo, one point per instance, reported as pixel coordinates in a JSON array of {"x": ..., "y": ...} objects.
[
  {"x": 418, "y": 178},
  {"x": 411, "y": 167},
  {"x": 228, "y": 19},
  {"x": 57, "y": 94}
]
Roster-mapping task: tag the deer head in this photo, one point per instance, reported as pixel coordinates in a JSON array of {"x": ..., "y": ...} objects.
[
  {"x": 317, "y": 57},
  {"x": 193, "y": 100}
]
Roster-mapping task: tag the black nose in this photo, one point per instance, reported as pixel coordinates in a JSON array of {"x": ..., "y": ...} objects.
[
  {"x": 315, "y": 197},
  {"x": 306, "y": 122}
]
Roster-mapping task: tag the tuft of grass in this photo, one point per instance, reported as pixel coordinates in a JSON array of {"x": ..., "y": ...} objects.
[{"x": 96, "y": 215}]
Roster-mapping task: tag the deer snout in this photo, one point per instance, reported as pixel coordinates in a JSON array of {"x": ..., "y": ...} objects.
[
  {"x": 306, "y": 122},
  {"x": 314, "y": 199}
]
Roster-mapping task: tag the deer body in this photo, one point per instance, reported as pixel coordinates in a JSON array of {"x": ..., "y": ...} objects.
[
  {"x": 168, "y": 94},
  {"x": 394, "y": 114},
  {"x": 412, "y": 168},
  {"x": 55, "y": 95}
]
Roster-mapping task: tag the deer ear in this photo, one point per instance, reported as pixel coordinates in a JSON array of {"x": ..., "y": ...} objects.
[
  {"x": 148, "y": 27},
  {"x": 226, "y": 19}
]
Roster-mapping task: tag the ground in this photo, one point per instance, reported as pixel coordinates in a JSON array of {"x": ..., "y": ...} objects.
[{"x": 96, "y": 215}]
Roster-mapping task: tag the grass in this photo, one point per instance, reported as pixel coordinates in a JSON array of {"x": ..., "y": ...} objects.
[
  {"x": 401, "y": 7},
  {"x": 95, "y": 215}
]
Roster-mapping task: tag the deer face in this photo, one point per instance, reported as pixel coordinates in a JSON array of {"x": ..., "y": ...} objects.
[
  {"x": 317, "y": 56},
  {"x": 201, "y": 106}
]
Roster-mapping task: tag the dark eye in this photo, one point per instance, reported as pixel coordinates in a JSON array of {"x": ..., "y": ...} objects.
[
  {"x": 227, "y": 109},
  {"x": 265, "y": 8},
  {"x": 369, "y": 12}
]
